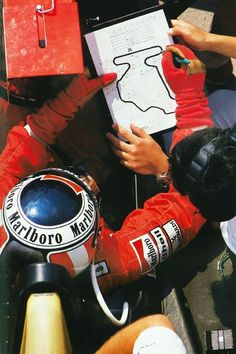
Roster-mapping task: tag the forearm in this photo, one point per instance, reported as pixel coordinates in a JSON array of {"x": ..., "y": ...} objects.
[
  {"x": 26, "y": 150},
  {"x": 193, "y": 111},
  {"x": 199, "y": 39},
  {"x": 225, "y": 45},
  {"x": 55, "y": 114}
]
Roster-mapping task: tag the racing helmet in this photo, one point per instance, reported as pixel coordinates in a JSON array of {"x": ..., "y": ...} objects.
[{"x": 53, "y": 215}]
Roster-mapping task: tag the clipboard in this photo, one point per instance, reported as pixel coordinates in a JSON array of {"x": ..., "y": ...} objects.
[
  {"x": 131, "y": 46},
  {"x": 99, "y": 25},
  {"x": 42, "y": 41}
]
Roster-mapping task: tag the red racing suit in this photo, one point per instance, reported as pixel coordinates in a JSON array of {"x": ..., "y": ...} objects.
[
  {"x": 22, "y": 156},
  {"x": 148, "y": 236},
  {"x": 27, "y": 149},
  {"x": 167, "y": 223}
]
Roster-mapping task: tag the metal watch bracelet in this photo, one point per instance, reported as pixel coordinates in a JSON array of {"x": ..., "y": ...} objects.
[{"x": 164, "y": 178}]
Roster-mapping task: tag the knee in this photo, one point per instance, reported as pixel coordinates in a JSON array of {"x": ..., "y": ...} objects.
[{"x": 156, "y": 320}]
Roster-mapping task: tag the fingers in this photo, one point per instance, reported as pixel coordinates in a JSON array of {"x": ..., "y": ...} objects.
[
  {"x": 167, "y": 62},
  {"x": 175, "y": 22},
  {"x": 195, "y": 65},
  {"x": 95, "y": 85},
  {"x": 120, "y": 153},
  {"x": 125, "y": 151},
  {"x": 117, "y": 143},
  {"x": 125, "y": 156},
  {"x": 107, "y": 79},
  {"x": 182, "y": 50},
  {"x": 138, "y": 153},
  {"x": 130, "y": 136},
  {"x": 190, "y": 34},
  {"x": 126, "y": 159},
  {"x": 88, "y": 88},
  {"x": 180, "y": 28},
  {"x": 138, "y": 131}
]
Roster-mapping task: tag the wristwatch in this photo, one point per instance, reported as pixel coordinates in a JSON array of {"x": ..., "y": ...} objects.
[{"x": 164, "y": 178}]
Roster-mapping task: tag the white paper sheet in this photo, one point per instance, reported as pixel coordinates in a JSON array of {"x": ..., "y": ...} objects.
[{"x": 133, "y": 50}]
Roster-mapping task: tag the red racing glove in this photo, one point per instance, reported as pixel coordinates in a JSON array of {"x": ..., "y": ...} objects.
[
  {"x": 187, "y": 83},
  {"x": 55, "y": 114}
]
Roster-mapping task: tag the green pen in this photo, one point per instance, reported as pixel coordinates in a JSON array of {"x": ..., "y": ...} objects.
[{"x": 180, "y": 59}]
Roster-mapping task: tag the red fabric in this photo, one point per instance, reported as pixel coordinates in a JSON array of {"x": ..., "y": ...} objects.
[
  {"x": 167, "y": 223},
  {"x": 148, "y": 236},
  {"x": 55, "y": 114},
  {"x": 183, "y": 79},
  {"x": 22, "y": 156},
  {"x": 187, "y": 83},
  {"x": 3, "y": 105},
  {"x": 180, "y": 134},
  {"x": 192, "y": 110},
  {"x": 124, "y": 256}
]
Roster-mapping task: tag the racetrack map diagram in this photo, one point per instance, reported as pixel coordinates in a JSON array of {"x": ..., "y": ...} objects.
[
  {"x": 133, "y": 49},
  {"x": 134, "y": 75}
]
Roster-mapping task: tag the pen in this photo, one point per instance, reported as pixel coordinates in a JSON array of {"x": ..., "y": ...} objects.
[{"x": 180, "y": 59}]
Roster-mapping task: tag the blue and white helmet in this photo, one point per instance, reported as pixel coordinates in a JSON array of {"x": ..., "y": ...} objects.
[{"x": 56, "y": 213}]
